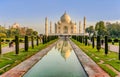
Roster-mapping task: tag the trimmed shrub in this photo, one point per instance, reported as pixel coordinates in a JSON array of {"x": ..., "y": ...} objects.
[
  {"x": 86, "y": 40},
  {"x": 43, "y": 39},
  {"x": 93, "y": 42},
  {"x": 13, "y": 40},
  {"x": 106, "y": 45},
  {"x": 119, "y": 50},
  {"x": 21, "y": 40},
  {"x": 2, "y": 40},
  {"x": 0, "y": 47},
  {"x": 109, "y": 40},
  {"x": 26, "y": 43},
  {"x": 32, "y": 41},
  {"x": 98, "y": 43},
  {"x": 116, "y": 40},
  {"x": 37, "y": 40},
  {"x": 16, "y": 45},
  {"x": 7, "y": 40}
]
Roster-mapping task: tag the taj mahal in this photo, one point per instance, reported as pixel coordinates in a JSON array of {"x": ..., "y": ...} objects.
[{"x": 65, "y": 26}]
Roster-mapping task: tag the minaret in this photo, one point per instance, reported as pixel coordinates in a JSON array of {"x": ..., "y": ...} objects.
[
  {"x": 84, "y": 25},
  {"x": 50, "y": 27},
  {"x": 46, "y": 26},
  {"x": 79, "y": 27},
  {"x": 55, "y": 28}
]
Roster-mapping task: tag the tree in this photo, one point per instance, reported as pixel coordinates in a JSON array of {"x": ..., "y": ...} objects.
[
  {"x": 35, "y": 33},
  {"x": 93, "y": 42},
  {"x": 90, "y": 30},
  {"x": 26, "y": 43},
  {"x": 100, "y": 28},
  {"x": 29, "y": 32},
  {"x": 32, "y": 41},
  {"x": 2, "y": 35},
  {"x": 119, "y": 49},
  {"x": 106, "y": 45},
  {"x": 0, "y": 47},
  {"x": 113, "y": 29},
  {"x": 16, "y": 45},
  {"x": 86, "y": 40},
  {"x": 98, "y": 43}
]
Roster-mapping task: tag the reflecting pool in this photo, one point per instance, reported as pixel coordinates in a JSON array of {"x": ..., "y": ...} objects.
[{"x": 61, "y": 61}]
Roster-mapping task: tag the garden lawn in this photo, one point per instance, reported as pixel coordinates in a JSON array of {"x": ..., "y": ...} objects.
[
  {"x": 9, "y": 60},
  {"x": 116, "y": 44},
  {"x": 101, "y": 59}
]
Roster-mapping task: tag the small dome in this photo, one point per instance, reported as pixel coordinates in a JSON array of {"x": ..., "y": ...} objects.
[
  {"x": 65, "y": 18},
  {"x": 16, "y": 25}
]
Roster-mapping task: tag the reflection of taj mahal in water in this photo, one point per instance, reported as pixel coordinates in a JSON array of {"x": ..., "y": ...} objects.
[
  {"x": 64, "y": 48},
  {"x": 65, "y": 26}
]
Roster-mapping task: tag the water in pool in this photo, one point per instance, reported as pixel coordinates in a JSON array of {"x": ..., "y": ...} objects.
[{"x": 60, "y": 61}]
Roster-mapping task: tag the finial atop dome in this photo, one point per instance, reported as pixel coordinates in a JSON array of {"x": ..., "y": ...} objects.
[{"x": 65, "y": 12}]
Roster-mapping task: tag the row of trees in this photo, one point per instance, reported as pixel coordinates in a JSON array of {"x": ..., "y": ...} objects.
[
  {"x": 110, "y": 29},
  {"x": 11, "y": 32},
  {"x": 83, "y": 39},
  {"x": 45, "y": 39}
]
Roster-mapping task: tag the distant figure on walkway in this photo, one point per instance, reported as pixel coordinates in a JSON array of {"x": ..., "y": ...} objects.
[{"x": 11, "y": 44}]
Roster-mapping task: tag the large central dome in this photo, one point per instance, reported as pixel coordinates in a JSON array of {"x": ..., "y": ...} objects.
[{"x": 65, "y": 18}]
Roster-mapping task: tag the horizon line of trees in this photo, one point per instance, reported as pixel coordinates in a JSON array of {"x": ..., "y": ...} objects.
[
  {"x": 11, "y": 32},
  {"x": 110, "y": 29}
]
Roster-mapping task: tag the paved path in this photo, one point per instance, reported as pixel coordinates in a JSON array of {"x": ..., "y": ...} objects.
[
  {"x": 113, "y": 48},
  {"x": 92, "y": 69},
  {"x": 22, "y": 68},
  {"x": 7, "y": 49}
]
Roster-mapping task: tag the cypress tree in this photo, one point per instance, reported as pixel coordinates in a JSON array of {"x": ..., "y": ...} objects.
[
  {"x": 81, "y": 39},
  {"x": 98, "y": 43},
  {"x": 26, "y": 43},
  {"x": 119, "y": 49},
  {"x": 93, "y": 42},
  {"x": 48, "y": 39},
  {"x": 86, "y": 40},
  {"x": 106, "y": 45},
  {"x": 0, "y": 47},
  {"x": 16, "y": 45},
  {"x": 37, "y": 40},
  {"x": 43, "y": 40},
  {"x": 32, "y": 41}
]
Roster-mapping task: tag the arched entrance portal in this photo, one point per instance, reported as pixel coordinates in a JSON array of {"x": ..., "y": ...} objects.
[{"x": 65, "y": 29}]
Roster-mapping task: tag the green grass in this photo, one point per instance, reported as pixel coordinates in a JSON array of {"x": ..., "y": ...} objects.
[
  {"x": 4, "y": 44},
  {"x": 116, "y": 44},
  {"x": 111, "y": 58},
  {"x": 111, "y": 73},
  {"x": 12, "y": 60}
]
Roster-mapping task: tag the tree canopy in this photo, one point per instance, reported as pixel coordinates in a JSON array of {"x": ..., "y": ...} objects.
[
  {"x": 90, "y": 30},
  {"x": 113, "y": 29},
  {"x": 101, "y": 29}
]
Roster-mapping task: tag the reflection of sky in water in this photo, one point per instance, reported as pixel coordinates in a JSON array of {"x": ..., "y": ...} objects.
[{"x": 54, "y": 65}]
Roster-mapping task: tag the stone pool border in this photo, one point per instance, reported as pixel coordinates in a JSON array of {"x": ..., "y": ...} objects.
[
  {"x": 22, "y": 68},
  {"x": 92, "y": 69}
]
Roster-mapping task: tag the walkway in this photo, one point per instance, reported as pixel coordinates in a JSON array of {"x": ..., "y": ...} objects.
[
  {"x": 113, "y": 48},
  {"x": 7, "y": 49},
  {"x": 90, "y": 66}
]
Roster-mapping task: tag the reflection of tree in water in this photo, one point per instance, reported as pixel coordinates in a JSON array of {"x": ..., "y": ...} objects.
[{"x": 64, "y": 48}]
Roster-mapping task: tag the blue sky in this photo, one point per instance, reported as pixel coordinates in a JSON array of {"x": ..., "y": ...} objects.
[{"x": 32, "y": 13}]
